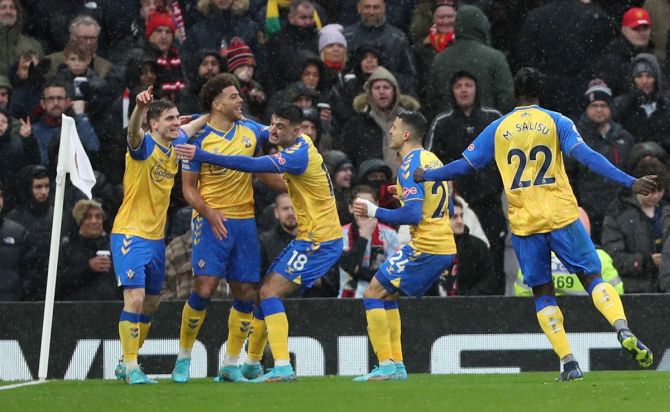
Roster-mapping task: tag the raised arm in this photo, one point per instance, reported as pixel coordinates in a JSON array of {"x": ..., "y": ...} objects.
[
  {"x": 193, "y": 126},
  {"x": 135, "y": 132}
]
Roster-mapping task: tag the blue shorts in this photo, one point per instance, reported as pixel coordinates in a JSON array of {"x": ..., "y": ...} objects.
[
  {"x": 411, "y": 272},
  {"x": 304, "y": 262},
  {"x": 236, "y": 258},
  {"x": 572, "y": 245},
  {"x": 138, "y": 262}
]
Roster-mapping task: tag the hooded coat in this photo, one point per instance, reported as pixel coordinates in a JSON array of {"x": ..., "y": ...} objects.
[
  {"x": 614, "y": 66},
  {"x": 364, "y": 136},
  {"x": 629, "y": 109},
  {"x": 13, "y": 43},
  {"x": 471, "y": 52}
]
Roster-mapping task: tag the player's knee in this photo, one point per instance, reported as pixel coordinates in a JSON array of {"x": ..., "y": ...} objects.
[
  {"x": 133, "y": 302},
  {"x": 150, "y": 305}
]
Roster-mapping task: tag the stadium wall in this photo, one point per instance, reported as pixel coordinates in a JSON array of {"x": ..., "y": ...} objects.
[{"x": 328, "y": 336}]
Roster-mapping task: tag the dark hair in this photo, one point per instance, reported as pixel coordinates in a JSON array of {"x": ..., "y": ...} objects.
[
  {"x": 290, "y": 112},
  {"x": 213, "y": 88},
  {"x": 157, "y": 107},
  {"x": 456, "y": 203},
  {"x": 653, "y": 166},
  {"x": 461, "y": 74},
  {"x": 57, "y": 83},
  {"x": 360, "y": 189},
  {"x": 415, "y": 122},
  {"x": 528, "y": 83},
  {"x": 297, "y": 3}
]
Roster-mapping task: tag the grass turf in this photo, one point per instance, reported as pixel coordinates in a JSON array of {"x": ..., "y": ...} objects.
[{"x": 599, "y": 391}]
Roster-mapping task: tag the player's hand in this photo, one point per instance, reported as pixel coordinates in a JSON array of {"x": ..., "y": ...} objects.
[
  {"x": 364, "y": 208},
  {"x": 366, "y": 226},
  {"x": 656, "y": 258},
  {"x": 184, "y": 120},
  {"x": 644, "y": 185},
  {"x": 26, "y": 129},
  {"x": 145, "y": 97},
  {"x": 418, "y": 175},
  {"x": 216, "y": 221},
  {"x": 100, "y": 263},
  {"x": 185, "y": 151}
]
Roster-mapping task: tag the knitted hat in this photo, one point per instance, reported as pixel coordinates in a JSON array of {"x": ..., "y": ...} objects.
[
  {"x": 644, "y": 66},
  {"x": 636, "y": 16},
  {"x": 336, "y": 160},
  {"x": 598, "y": 91},
  {"x": 158, "y": 19},
  {"x": 239, "y": 54},
  {"x": 331, "y": 34}
]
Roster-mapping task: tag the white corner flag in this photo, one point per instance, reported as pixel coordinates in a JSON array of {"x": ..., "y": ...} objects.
[{"x": 72, "y": 159}]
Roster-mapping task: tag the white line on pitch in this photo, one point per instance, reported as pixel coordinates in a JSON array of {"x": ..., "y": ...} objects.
[{"x": 18, "y": 385}]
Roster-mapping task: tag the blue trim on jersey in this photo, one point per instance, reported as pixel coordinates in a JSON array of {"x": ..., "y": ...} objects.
[
  {"x": 272, "y": 306},
  {"x": 599, "y": 164},
  {"x": 373, "y": 304},
  {"x": 244, "y": 306},
  {"x": 595, "y": 282},
  {"x": 197, "y": 302},
  {"x": 543, "y": 301},
  {"x": 129, "y": 317},
  {"x": 409, "y": 214},
  {"x": 459, "y": 167}
]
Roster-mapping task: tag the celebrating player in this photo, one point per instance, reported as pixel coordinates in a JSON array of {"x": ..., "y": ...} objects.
[
  {"x": 225, "y": 242},
  {"x": 318, "y": 243},
  {"x": 415, "y": 267},
  {"x": 528, "y": 145},
  {"x": 138, "y": 245}
]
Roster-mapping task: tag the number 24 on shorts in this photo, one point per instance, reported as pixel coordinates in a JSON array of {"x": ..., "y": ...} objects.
[
  {"x": 297, "y": 261},
  {"x": 399, "y": 264}
]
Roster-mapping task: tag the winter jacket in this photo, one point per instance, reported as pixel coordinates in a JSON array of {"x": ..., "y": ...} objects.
[
  {"x": 628, "y": 237},
  {"x": 473, "y": 268},
  {"x": 614, "y": 66},
  {"x": 13, "y": 254},
  {"x": 48, "y": 135},
  {"x": 13, "y": 44},
  {"x": 471, "y": 52},
  {"x": 100, "y": 65},
  {"x": 281, "y": 52},
  {"x": 272, "y": 243}
]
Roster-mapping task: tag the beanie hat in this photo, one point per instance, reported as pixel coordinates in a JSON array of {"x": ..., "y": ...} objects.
[
  {"x": 643, "y": 65},
  {"x": 331, "y": 34},
  {"x": 158, "y": 19},
  {"x": 239, "y": 54},
  {"x": 636, "y": 16},
  {"x": 335, "y": 161},
  {"x": 598, "y": 91}
]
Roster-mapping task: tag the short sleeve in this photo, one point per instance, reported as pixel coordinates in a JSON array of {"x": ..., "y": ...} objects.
[
  {"x": 196, "y": 140},
  {"x": 411, "y": 190},
  {"x": 261, "y": 131},
  {"x": 480, "y": 152},
  {"x": 293, "y": 159},
  {"x": 567, "y": 134},
  {"x": 143, "y": 151}
]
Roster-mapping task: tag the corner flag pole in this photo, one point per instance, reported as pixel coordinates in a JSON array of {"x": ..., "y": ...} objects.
[{"x": 71, "y": 159}]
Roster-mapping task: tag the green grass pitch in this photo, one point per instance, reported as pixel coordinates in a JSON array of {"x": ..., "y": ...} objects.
[{"x": 599, "y": 391}]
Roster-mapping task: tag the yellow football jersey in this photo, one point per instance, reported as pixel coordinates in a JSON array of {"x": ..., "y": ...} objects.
[
  {"x": 310, "y": 190},
  {"x": 528, "y": 146},
  {"x": 433, "y": 234},
  {"x": 147, "y": 183},
  {"x": 226, "y": 190}
]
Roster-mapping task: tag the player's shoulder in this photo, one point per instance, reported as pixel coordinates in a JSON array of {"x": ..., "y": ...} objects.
[
  {"x": 302, "y": 143},
  {"x": 201, "y": 134},
  {"x": 428, "y": 160},
  {"x": 252, "y": 125}
]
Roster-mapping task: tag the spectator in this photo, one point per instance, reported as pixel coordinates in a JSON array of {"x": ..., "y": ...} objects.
[
  {"x": 178, "y": 282},
  {"x": 274, "y": 240},
  {"x": 541, "y": 46},
  {"x": 5, "y": 92},
  {"x": 220, "y": 22},
  {"x": 422, "y": 17},
  {"x": 278, "y": 13},
  {"x": 85, "y": 269},
  {"x": 298, "y": 35},
  {"x": 311, "y": 126},
  {"x": 645, "y": 111},
  {"x": 634, "y": 236},
  {"x": 660, "y": 9},
  {"x": 340, "y": 170},
  {"x": 567, "y": 283},
  {"x": 210, "y": 63},
  {"x": 367, "y": 244},
  {"x": 13, "y": 253},
  {"x": 17, "y": 146},
  {"x": 27, "y": 79},
  {"x": 635, "y": 38},
  {"x": 242, "y": 63},
  {"x": 610, "y": 140},
  {"x": 84, "y": 34},
  {"x": 450, "y": 134},
  {"x": 471, "y": 52},
  {"x": 12, "y": 43},
  {"x": 365, "y": 135},
  {"x": 472, "y": 273},
  {"x": 54, "y": 102},
  {"x": 375, "y": 30},
  {"x": 436, "y": 38},
  {"x": 379, "y": 176},
  {"x": 364, "y": 61},
  {"x": 160, "y": 31},
  {"x": 35, "y": 214},
  {"x": 333, "y": 52}
]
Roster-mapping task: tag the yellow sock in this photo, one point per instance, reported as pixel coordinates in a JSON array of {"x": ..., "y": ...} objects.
[
  {"x": 191, "y": 321},
  {"x": 276, "y": 323},
  {"x": 608, "y": 302},
  {"x": 393, "y": 317},
  {"x": 144, "y": 332},
  {"x": 551, "y": 322},
  {"x": 378, "y": 329},
  {"x": 129, "y": 333},
  {"x": 238, "y": 329},
  {"x": 258, "y": 338}
]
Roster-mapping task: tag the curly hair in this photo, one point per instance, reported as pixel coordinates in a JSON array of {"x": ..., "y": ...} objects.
[{"x": 213, "y": 88}]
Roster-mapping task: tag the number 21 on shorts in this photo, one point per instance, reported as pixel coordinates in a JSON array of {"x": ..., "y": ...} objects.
[{"x": 297, "y": 261}]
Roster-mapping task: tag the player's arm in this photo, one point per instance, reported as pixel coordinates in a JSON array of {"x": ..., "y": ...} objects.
[
  {"x": 273, "y": 181},
  {"x": 193, "y": 126},
  {"x": 459, "y": 167},
  {"x": 409, "y": 214},
  {"x": 189, "y": 187},
  {"x": 135, "y": 132}
]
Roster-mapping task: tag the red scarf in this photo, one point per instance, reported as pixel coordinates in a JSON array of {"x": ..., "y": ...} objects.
[
  {"x": 440, "y": 41},
  {"x": 334, "y": 65}
]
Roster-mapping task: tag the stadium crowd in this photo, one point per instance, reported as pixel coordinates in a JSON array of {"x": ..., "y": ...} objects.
[{"x": 351, "y": 66}]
